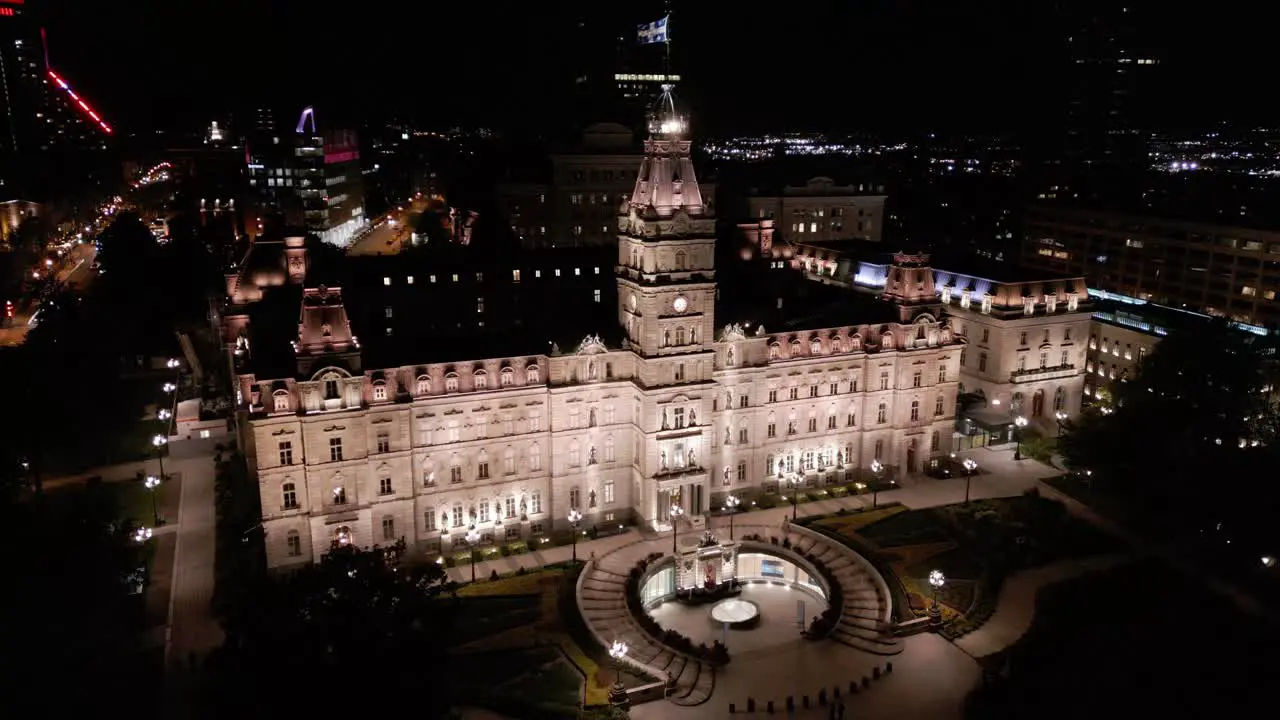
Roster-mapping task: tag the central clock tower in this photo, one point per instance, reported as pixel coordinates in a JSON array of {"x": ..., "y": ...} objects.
[{"x": 666, "y": 296}]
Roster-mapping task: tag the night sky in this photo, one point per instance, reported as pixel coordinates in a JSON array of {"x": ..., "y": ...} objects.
[{"x": 876, "y": 65}]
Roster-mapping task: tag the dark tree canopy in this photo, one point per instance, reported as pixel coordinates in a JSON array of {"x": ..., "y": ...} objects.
[
  {"x": 355, "y": 617},
  {"x": 1201, "y": 407}
]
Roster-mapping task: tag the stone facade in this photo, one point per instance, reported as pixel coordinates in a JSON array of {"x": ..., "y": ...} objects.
[{"x": 681, "y": 413}]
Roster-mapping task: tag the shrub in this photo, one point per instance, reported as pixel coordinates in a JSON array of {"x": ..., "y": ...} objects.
[{"x": 493, "y": 574}]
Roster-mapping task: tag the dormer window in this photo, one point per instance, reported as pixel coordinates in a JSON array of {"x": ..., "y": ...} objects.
[
  {"x": 1050, "y": 303},
  {"x": 508, "y": 377},
  {"x": 1028, "y": 306},
  {"x": 481, "y": 380},
  {"x": 965, "y": 299},
  {"x": 986, "y": 304},
  {"x": 532, "y": 375},
  {"x": 1072, "y": 302},
  {"x": 380, "y": 391},
  {"x": 855, "y": 342},
  {"x": 423, "y": 385},
  {"x": 451, "y": 382},
  {"x": 815, "y": 347},
  {"x": 281, "y": 400},
  {"x": 795, "y": 348},
  {"x": 775, "y": 351},
  {"x": 946, "y": 295}
]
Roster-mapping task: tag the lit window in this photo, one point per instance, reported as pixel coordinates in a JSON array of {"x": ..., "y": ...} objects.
[
  {"x": 596, "y": 295},
  {"x": 409, "y": 280},
  {"x": 386, "y": 281}
]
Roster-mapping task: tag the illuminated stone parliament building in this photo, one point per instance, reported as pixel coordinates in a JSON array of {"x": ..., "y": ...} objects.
[{"x": 680, "y": 404}]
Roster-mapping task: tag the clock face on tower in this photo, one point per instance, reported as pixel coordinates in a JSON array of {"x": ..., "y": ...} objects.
[{"x": 680, "y": 304}]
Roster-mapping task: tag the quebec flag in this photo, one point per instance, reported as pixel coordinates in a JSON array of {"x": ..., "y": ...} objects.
[{"x": 654, "y": 32}]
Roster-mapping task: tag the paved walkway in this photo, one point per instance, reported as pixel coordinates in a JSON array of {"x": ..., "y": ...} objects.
[{"x": 1016, "y": 606}]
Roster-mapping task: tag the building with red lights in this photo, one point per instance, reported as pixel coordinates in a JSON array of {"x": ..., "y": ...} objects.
[
  {"x": 46, "y": 127},
  {"x": 308, "y": 179}
]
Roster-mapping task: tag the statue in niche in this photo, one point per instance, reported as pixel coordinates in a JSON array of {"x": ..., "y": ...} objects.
[
  {"x": 666, "y": 338},
  {"x": 726, "y": 474},
  {"x": 444, "y": 520},
  {"x": 729, "y": 355},
  {"x": 662, "y": 459},
  {"x": 591, "y": 457},
  {"x": 591, "y": 499},
  {"x": 664, "y": 419},
  {"x": 693, "y": 462},
  {"x": 727, "y": 439},
  {"x": 693, "y": 417}
]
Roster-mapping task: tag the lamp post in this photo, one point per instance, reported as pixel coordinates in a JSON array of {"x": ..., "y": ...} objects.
[
  {"x": 936, "y": 581},
  {"x": 151, "y": 483},
  {"x": 618, "y": 693},
  {"x": 731, "y": 504},
  {"x": 1061, "y": 417},
  {"x": 794, "y": 482},
  {"x": 158, "y": 442},
  {"x": 969, "y": 466},
  {"x": 1018, "y": 423},
  {"x": 472, "y": 537},
  {"x": 575, "y": 517},
  {"x": 676, "y": 512},
  {"x": 877, "y": 469}
]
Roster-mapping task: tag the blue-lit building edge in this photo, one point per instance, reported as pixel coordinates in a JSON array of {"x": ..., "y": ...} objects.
[{"x": 874, "y": 275}]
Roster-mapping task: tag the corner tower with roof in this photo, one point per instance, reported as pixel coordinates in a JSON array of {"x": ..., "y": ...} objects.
[{"x": 666, "y": 295}]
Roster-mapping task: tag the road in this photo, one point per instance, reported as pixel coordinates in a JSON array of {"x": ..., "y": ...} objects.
[
  {"x": 391, "y": 232},
  {"x": 75, "y": 272}
]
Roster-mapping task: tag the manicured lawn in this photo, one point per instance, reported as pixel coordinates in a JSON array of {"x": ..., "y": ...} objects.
[
  {"x": 855, "y": 521},
  {"x": 521, "y": 612},
  {"x": 910, "y": 527},
  {"x": 1141, "y": 641}
]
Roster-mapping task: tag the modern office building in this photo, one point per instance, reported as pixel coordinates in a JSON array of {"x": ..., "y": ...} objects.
[
  {"x": 1211, "y": 268},
  {"x": 822, "y": 211},
  {"x": 677, "y": 400},
  {"x": 46, "y": 127},
  {"x": 308, "y": 179}
]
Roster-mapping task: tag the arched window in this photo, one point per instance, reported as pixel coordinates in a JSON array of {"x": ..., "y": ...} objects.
[
  {"x": 379, "y": 390},
  {"x": 481, "y": 380},
  {"x": 280, "y": 400},
  {"x": 330, "y": 381},
  {"x": 293, "y": 541},
  {"x": 915, "y": 410},
  {"x": 815, "y": 347},
  {"x": 886, "y": 340},
  {"x": 451, "y": 382},
  {"x": 289, "y": 495},
  {"x": 508, "y": 377},
  {"x": 855, "y": 342},
  {"x": 531, "y": 375},
  {"x": 775, "y": 351},
  {"x": 837, "y": 346},
  {"x": 423, "y": 385},
  {"x": 795, "y": 348}
]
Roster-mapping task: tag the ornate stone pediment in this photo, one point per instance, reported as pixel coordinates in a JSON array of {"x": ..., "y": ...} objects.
[{"x": 733, "y": 332}]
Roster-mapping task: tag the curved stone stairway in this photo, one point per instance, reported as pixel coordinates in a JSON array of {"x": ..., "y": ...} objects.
[
  {"x": 866, "y": 618},
  {"x": 601, "y": 598}
]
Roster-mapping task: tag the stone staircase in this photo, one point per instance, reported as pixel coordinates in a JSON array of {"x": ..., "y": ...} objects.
[
  {"x": 865, "y": 620},
  {"x": 601, "y": 597}
]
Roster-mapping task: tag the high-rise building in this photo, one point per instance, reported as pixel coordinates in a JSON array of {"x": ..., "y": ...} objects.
[
  {"x": 45, "y": 126},
  {"x": 308, "y": 179}
]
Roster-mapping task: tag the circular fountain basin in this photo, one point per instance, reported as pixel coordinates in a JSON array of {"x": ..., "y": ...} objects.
[{"x": 735, "y": 612}]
